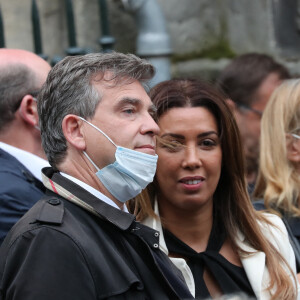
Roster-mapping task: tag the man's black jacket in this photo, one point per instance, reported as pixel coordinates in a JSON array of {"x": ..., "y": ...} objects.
[{"x": 86, "y": 250}]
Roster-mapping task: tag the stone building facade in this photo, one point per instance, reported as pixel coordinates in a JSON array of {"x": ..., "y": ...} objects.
[{"x": 204, "y": 34}]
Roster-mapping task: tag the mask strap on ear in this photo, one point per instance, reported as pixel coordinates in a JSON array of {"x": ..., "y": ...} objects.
[
  {"x": 36, "y": 126},
  {"x": 91, "y": 161},
  {"x": 98, "y": 130}
]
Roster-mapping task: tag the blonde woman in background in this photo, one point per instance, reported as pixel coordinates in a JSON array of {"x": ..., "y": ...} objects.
[
  {"x": 278, "y": 181},
  {"x": 199, "y": 203}
]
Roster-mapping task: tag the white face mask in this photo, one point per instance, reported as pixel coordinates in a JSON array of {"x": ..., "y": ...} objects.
[{"x": 129, "y": 174}]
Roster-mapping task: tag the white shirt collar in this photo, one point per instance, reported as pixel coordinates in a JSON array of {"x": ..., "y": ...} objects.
[
  {"x": 31, "y": 161},
  {"x": 93, "y": 191}
]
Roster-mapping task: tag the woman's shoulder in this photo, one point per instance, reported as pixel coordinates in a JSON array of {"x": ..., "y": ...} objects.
[
  {"x": 272, "y": 223},
  {"x": 269, "y": 220},
  {"x": 276, "y": 233},
  {"x": 274, "y": 230}
]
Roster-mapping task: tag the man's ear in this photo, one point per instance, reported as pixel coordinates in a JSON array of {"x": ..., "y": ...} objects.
[
  {"x": 236, "y": 112},
  {"x": 231, "y": 104},
  {"x": 292, "y": 149},
  {"x": 28, "y": 111},
  {"x": 72, "y": 128}
]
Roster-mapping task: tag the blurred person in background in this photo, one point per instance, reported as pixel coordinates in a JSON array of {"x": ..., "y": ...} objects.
[
  {"x": 22, "y": 74},
  {"x": 278, "y": 183},
  {"x": 249, "y": 81}
]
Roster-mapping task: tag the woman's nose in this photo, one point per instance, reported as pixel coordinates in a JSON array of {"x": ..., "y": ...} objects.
[{"x": 191, "y": 158}]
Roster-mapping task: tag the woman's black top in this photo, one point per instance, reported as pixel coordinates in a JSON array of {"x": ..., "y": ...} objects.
[{"x": 229, "y": 277}]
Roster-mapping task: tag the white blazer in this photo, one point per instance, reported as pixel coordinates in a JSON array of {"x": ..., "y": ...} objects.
[{"x": 253, "y": 264}]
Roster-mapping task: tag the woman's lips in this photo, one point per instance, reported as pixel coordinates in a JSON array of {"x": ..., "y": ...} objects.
[{"x": 192, "y": 183}]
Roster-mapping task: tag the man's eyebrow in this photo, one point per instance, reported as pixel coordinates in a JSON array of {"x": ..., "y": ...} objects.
[
  {"x": 129, "y": 100},
  {"x": 134, "y": 101},
  {"x": 179, "y": 136}
]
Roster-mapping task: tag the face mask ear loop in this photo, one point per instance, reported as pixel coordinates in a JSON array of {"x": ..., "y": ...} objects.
[
  {"x": 98, "y": 130},
  {"x": 36, "y": 126},
  {"x": 91, "y": 161}
]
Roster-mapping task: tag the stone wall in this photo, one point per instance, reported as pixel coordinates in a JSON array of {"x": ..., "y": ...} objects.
[{"x": 204, "y": 34}]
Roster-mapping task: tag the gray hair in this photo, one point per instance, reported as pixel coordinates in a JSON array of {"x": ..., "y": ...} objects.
[
  {"x": 69, "y": 90},
  {"x": 16, "y": 81}
]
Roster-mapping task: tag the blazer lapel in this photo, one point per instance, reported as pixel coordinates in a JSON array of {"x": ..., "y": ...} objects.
[{"x": 254, "y": 266}]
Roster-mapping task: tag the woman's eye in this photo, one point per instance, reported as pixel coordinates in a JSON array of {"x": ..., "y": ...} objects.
[
  {"x": 208, "y": 143},
  {"x": 176, "y": 144}
]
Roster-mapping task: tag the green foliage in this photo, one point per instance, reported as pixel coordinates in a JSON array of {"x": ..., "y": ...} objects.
[{"x": 219, "y": 50}]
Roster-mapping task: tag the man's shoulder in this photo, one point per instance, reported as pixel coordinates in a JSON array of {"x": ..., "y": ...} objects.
[
  {"x": 42, "y": 212},
  {"x": 53, "y": 212},
  {"x": 13, "y": 172},
  {"x": 39, "y": 252},
  {"x": 49, "y": 221},
  {"x": 7, "y": 161},
  {"x": 18, "y": 187},
  {"x": 10, "y": 167},
  {"x": 55, "y": 220}
]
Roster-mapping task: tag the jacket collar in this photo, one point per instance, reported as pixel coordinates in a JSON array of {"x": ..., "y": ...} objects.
[
  {"x": 74, "y": 193},
  {"x": 253, "y": 263},
  {"x": 180, "y": 263},
  {"x": 156, "y": 225}
]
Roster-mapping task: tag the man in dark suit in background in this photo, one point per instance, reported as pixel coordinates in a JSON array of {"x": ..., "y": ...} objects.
[{"x": 22, "y": 74}]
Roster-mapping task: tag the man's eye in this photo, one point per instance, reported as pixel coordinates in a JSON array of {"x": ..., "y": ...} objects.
[{"x": 129, "y": 111}]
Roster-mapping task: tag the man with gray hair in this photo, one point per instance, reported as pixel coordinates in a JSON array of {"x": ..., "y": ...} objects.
[
  {"x": 22, "y": 74},
  {"x": 79, "y": 241}
]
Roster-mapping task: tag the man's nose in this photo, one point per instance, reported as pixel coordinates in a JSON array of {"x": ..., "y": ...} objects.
[{"x": 149, "y": 126}]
